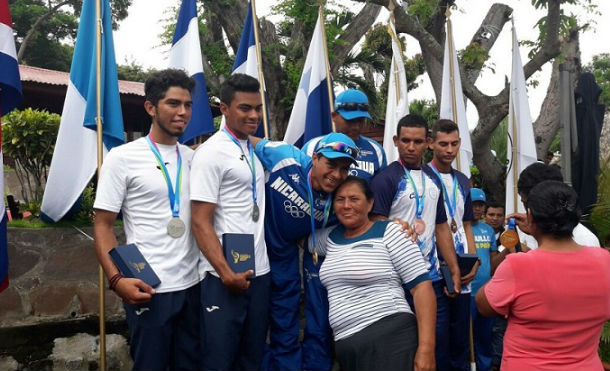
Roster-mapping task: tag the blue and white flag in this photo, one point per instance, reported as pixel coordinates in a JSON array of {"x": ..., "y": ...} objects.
[
  {"x": 452, "y": 98},
  {"x": 75, "y": 157},
  {"x": 518, "y": 117},
  {"x": 185, "y": 54},
  {"x": 246, "y": 61},
  {"x": 10, "y": 97},
  {"x": 310, "y": 115}
]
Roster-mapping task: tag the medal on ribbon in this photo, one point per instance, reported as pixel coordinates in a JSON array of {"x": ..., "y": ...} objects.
[
  {"x": 419, "y": 226},
  {"x": 314, "y": 254},
  {"x": 451, "y": 205},
  {"x": 175, "y": 227}
]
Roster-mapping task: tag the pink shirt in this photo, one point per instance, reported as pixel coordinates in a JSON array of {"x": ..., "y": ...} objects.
[{"x": 556, "y": 303}]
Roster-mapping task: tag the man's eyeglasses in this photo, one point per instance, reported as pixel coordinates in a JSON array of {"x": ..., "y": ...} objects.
[
  {"x": 353, "y": 106},
  {"x": 341, "y": 147}
]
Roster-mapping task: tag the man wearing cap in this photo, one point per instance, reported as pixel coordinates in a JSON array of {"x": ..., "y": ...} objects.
[
  {"x": 485, "y": 242},
  {"x": 298, "y": 200},
  {"x": 349, "y": 116},
  {"x": 444, "y": 141}
]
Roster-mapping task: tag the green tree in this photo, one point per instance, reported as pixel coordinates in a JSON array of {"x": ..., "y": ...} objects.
[
  {"x": 600, "y": 68},
  {"x": 28, "y": 137},
  {"x": 46, "y": 29},
  {"x": 131, "y": 71}
]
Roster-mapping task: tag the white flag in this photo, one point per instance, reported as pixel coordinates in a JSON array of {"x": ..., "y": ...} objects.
[
  {"x": 452, "y": 94},
  {"x": 519, "y": 116},
  {"x": 398, "y": 104}
]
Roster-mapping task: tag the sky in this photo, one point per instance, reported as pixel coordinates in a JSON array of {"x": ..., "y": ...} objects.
[{"x": 137, "y": 39}]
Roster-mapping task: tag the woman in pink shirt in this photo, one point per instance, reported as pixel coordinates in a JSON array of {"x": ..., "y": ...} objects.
[{"x": 557, "y": 297}]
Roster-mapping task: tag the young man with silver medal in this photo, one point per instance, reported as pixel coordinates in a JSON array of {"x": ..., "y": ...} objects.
[
  {"x": 228, "y": 196},
  {"x": 147, "y": 180}
]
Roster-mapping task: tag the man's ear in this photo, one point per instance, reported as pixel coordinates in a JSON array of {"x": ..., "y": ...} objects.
[
  {"x": 150, "y": 108},
  {"x": 395, "y": 139},
  {"x": 224, "y": 109}
]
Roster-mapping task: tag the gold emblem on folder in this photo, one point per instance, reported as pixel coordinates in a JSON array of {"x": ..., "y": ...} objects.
[
  {"x": 237, "y": 257},
  {"x": 139, "y": 267}
]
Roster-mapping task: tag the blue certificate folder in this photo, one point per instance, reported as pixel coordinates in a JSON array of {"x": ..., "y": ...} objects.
[
  {"x": 239, "y": 251},
  {"x": 132, "y": 264}
]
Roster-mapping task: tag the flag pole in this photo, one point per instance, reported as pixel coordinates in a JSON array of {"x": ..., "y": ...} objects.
[
  {"x": 515, "y": 162},
  {"x": 100, "y": 154},
  {"x": 259, "y": 58},
  {"x": 391, "y": 27},
  {"x": 451, "y": 74},
  {"x": 327, "y": 64}
]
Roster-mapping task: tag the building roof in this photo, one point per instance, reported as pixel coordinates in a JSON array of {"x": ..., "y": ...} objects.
[{"x": 51, "y": 77}]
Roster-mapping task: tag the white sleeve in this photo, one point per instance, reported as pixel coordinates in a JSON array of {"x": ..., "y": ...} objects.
[
  {"x": 406, "y": 256},
  {"x": 583, "y": 236},
  {"x": 113, "y": 182},
  {"x": 206, "y": 176}
]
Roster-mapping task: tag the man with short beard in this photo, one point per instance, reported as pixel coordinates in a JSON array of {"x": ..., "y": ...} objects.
[{"x": 142, "y": 179}]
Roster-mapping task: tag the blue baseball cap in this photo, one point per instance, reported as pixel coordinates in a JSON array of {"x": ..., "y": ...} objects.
[
  {"x": 337, "y": 145},
  {"x": 477, "y": 194},
  {"x": 352, "y": 104}
]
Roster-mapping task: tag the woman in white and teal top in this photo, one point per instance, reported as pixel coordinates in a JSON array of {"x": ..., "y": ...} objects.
[{"x": 366, "y": 264}]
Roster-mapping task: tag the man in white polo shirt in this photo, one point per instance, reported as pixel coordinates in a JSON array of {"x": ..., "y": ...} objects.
[{"x": 228, "y": 196}]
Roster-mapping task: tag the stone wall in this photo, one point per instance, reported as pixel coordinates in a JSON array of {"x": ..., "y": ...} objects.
[{"x": 53, "y": 294}]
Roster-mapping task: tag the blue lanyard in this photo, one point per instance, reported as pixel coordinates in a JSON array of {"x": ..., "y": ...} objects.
[
  {"x": 451, "y": 207},
  {"x": 174, "y": 198},
  {"x": 251, "y": 163},
  {"x": 311, "y": 210},
  {"x": 419, "y": 200}
]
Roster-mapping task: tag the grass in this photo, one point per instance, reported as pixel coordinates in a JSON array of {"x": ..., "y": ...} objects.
[{"x": 37, "y": 223}]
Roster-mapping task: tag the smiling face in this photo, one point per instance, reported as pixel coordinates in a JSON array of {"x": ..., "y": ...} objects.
[
  {"x": 327, "y": 174},
  {"x": 243, "y": 113},
  {"x": 351, "y": 206},
  {"x": 478, "y": 209},
  {"x": 445, "y": 147},
  {"x": 411, "y": 145},
  {"x": 170, "y": 115}
]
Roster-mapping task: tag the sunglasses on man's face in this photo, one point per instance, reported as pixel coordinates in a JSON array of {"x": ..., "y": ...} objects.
[
  {"x": 353, "y": 106},
  {"x": 341, "y": 147}
]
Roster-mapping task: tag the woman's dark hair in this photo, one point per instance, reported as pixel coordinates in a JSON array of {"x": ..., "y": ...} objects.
[
  {"x": 361, "y": 183},
  {"x": 554, "y": 207}
]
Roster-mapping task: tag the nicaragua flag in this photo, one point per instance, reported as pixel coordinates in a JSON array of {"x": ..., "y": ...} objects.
[
  {"x": 451, "y": 96},
  {"x": 10, "y": 97},
  {"x": 397, "y": 105},
  {"x": 185, "y": 54},
  {"x": 310, "y": 115},
  {"x": 246, "y": 61},
  {"x": 75, "y": 157},
  {"x": 520, "y": 131}
]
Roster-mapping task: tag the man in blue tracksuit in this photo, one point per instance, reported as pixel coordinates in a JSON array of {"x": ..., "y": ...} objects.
[
  {"x": 298, "y": 200},
  {"x": 351, "y": 112}
]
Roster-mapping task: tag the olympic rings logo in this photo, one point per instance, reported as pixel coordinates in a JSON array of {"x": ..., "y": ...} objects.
[
  {"x": 293, "y": 210},
  {"x": 353, "y": 172}
]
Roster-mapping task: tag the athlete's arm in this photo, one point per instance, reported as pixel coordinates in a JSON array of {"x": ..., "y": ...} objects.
[
  {"x": 444, "y": 243},
  {"x": 132, "y": 290},
  {"x": 425, "y": 309},
  {"x": 202, "y": 224}
]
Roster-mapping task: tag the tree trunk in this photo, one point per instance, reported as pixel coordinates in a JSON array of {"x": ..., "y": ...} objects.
[{"x": 34, "y": 28}]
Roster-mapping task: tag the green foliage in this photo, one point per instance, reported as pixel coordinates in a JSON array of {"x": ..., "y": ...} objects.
[
  {"x": 131, "y": 71},
  {"x": 604, "y": 344},
  {"x": 86, "y": 205},
  {"x": 474, "y": 55},
  {"x": 600, "y": 68},
  {"x": 423, "y": 10},
  {"x": 29, "y": 139},
  {"x": 428, "y": 109},
  {"x": 51, "y": 45},
  {"x": 600, "y": 213},
  {"x": 498, "y": 141}
]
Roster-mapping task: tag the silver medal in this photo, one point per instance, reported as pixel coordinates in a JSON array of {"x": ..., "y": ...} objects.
[
  {"x": 255, "y": 212},
  {"x": 176, "y": 227}
]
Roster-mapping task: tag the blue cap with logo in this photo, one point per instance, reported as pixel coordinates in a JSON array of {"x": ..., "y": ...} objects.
[
  {"x": 477, "y": 194},
  {"x": 352, "y": 104},
  {"x": 337, "y": 145}
]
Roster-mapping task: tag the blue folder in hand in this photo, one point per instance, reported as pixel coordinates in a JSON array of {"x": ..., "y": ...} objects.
[
  {"x": 132, "y": 264},
  {"x": 239, "y": 251}
]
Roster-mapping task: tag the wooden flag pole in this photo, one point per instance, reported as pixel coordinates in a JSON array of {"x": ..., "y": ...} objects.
[
  {"x": 327, "y": 64},
  {"x": 451, "y": 74},
  {"x": 259, "y": 59},
  {"x": 515, "y": 161},
  {"x": 100, "y": 157},
  {"x": 397, "y": 41}
]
